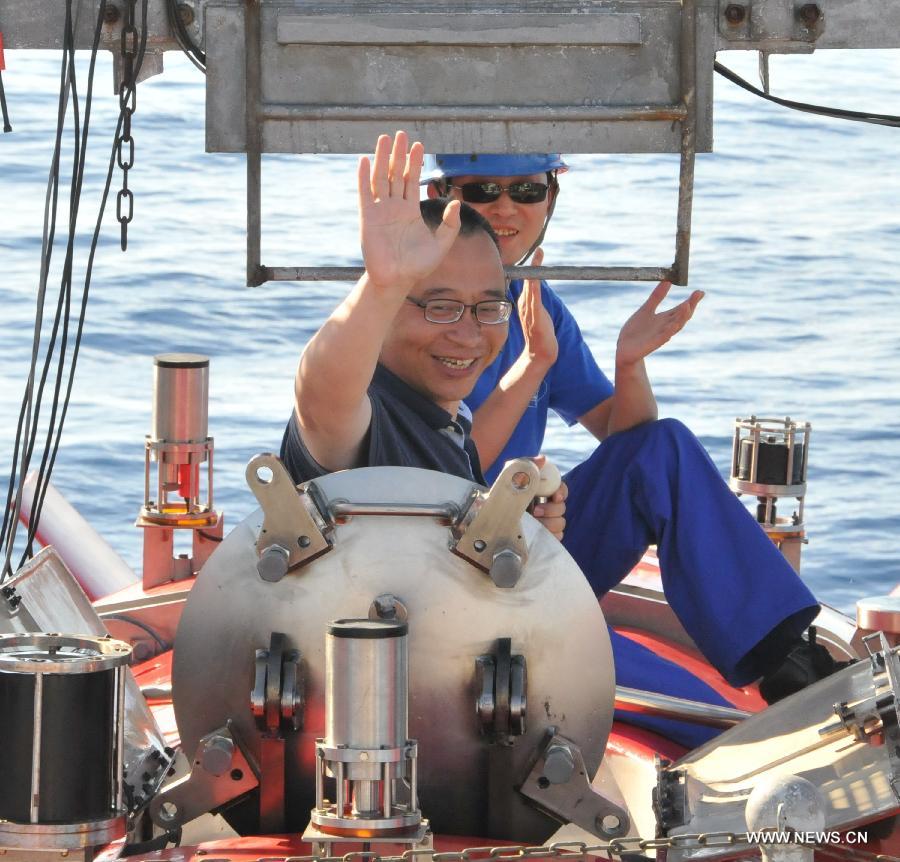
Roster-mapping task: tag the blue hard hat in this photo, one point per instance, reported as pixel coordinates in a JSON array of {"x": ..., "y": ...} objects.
[{"x": 494, "y": 164}]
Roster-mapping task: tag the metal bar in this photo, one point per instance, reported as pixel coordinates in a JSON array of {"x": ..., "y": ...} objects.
[
  {"x": 252, "y": 98},
  {"x": 35, "y": 800},
  {"x": 447, "y": 511},
  {"x": 339, "y": 801},
  {"x": 688, "y": 141},
  {"x": 474, "y": 113},
  {"x": 387, "y": 802},
  {"x": 754, "y": 452},
  {"x": 550, "y": 273},
  {"x": 472, "y": 29},
  {"x": 736, "y": 453},
  {"x": 653, "y": 703},
  {"x": 320, "y": 779},
  {"x": 209, "y": 477},
  {"x": 119, "y": 777}
]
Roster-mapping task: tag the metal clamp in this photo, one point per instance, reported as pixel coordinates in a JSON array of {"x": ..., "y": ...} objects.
[
  {"x": 502, "y": 683},
  {"x": 559, "y": 784},
  {"x": 277, "y": 698},
  {"x": 488, "y": 534},
  {"x": 220, "y": 772},
  {"x": 294, "y": 530}
]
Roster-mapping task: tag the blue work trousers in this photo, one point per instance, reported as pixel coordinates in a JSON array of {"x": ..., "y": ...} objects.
[{"x": 724, "y": 578}]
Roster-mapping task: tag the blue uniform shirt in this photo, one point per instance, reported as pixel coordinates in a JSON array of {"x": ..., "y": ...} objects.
[{"x": 573, "y": 385}]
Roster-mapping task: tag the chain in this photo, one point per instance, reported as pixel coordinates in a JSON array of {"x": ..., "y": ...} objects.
[
  {"x": 127, "y": 104},
  {"x": 578, "y": 849}
]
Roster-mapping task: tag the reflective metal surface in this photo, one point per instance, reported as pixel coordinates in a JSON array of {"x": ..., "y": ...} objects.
[
  {"x": 180, "y": 398},
  {"x": 50, "y": 600},
  {"x": 455, "y": 614},
  {"x": 37, "y": 653},
  {"x": 840, "y": 734}
]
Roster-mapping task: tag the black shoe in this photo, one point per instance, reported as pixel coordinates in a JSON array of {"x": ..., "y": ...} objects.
[{"x": 805, "y": 663}]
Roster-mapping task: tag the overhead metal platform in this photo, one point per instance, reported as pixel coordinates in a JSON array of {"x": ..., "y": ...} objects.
[{"x": 590, "y": 76}]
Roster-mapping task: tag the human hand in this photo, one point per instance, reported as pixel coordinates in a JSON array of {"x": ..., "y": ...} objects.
[
  {"x": 551, "y": 513},
  {"x": 398, "y": 247},
  {"x": 645, "y": 330},
  {"x": 541, "y": 345}
]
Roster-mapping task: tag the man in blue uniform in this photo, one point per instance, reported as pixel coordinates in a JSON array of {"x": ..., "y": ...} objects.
[{"x": 650, "y": 482}]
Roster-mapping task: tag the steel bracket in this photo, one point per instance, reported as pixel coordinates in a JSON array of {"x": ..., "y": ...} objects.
[
  {"x": 488, "y": 533},
  {"x": 785, "y": 26},
  {"x": 558, "y": 784},
  {"x": 294, "y": 531},
  {"x": 220, "y": 772}
]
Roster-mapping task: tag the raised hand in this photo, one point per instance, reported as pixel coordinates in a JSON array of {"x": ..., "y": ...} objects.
[
  {"x": 537, "y": 325},
  {"x": 646, "y": 330},
  {"x": 398, "y": 247}
]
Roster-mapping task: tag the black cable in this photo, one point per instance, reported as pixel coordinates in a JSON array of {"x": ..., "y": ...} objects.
[
  {"x": 63, "y": 307},
  {"x": 7, "y": 535},
  {"x": 194, "y": 53},
  {"x": 25, "y": 414},
  {"x": 3, "y": 109},
  {"x": 80, "y": 154},
  {"x": 36, "y": 509},
  {"x": 837, "y": 113},
  {"x": 132, "y": 621},
  {"x": 210, "y": 537}
]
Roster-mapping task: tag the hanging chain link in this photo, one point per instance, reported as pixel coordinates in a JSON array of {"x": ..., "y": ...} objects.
[
  {"x": 580, "y": 850},
  {"x": 127, "y": 104}
]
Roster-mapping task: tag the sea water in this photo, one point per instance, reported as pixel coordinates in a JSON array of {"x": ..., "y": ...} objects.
[{"x": 796, "y": 237}]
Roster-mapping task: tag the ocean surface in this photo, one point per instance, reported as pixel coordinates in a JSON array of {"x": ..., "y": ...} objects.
[{"x": 796, "y": 241}]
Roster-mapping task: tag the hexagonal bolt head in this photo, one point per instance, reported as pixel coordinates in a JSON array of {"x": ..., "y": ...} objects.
[
  {"x": 559, "y": 764},
  {"x": 217, "y": 754},
  {"x": 809, "y": 14},
  {"x": 506, "y": 568},
  {"x": 273, "y": 563},
  {"x": 735, "y": 14},
  {"x": 186, "y": 13}
]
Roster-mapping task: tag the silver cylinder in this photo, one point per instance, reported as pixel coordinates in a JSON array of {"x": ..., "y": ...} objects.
[
  {"x": 180, "y": 398},
  {"x": 366, "y": 672}
]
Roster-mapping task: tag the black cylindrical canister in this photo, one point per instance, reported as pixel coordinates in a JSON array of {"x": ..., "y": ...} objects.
[{"x": 60, "y": 721}]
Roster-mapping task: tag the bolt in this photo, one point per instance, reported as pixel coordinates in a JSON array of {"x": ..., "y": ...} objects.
[
  {"x": 809, "y": 14},
  {"x": 217, "y": 754},
  {"x": 735, "y": 14},
  {"x": 111, "y": 14},
  {"x": 609, "y": 825},
  {"x": 506, "y": 568},
  {"x": 385, "y": 607},
  {"x": 559, "y": 765},
  {"x": 186, "y": 13},
  {"x": 273, "y": 563},
  {"x": 479, "y": 545},
  {"x": 304, "y": 541}
]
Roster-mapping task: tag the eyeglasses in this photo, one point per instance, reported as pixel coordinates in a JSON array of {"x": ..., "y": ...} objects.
[
  {"x": 488, "y": 311},
  {"x": 485, "y": 193}
]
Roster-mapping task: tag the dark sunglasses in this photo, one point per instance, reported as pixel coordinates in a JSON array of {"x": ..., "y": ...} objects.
[{"x": 485, "y": 193}]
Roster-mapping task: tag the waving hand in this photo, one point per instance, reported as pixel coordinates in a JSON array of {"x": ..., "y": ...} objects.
[{"x": 398, "y": 247}]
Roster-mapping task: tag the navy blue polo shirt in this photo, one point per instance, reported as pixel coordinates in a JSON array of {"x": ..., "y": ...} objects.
[{"x": 407, "y": 430}]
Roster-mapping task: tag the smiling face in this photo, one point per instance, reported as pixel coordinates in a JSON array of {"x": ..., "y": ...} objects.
[
  {"x": 444, "y": 360},
  {"x": 517, "y": 225}
]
